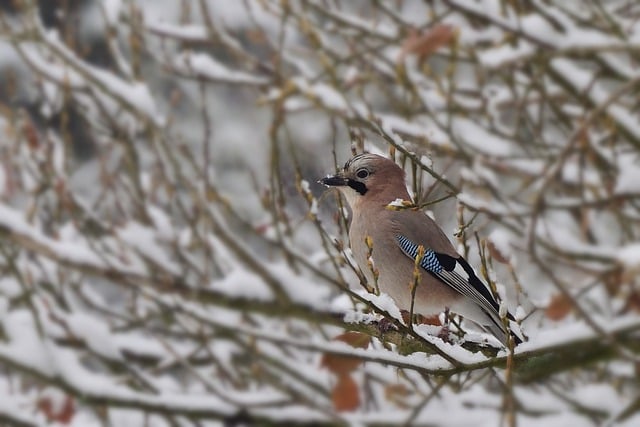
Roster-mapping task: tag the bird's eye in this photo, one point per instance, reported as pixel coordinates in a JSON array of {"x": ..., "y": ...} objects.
[{"x": 362, "y": 173}]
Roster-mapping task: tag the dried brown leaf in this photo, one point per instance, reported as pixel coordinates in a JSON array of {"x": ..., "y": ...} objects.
[
  {"x": 559, "y": 307},
  {"x": 345, "y": 395},
  {"x": 424, "y": 44},
  {"x": 55, "y": 412},
  {"x": 343, "y": 365}
]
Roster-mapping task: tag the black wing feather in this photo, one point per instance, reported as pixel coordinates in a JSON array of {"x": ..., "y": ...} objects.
[{"x": 471, "y": 287}]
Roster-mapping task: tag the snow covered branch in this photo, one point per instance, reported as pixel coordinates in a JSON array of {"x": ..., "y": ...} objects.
[{"x": 166, "y": 257}]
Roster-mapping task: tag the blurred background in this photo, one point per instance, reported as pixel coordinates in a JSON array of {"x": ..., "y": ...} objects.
[{"x": 168, "y": 258}]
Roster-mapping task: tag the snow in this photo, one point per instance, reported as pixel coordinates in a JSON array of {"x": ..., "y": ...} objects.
[
  {"x": 300, "y": 289},
  {"x": 582, "y": 80},
  {"x": 502, "y": 241},
  {"x": 572, "y": 172},
  {"x": 25, "y": 346},
  {"x": 325, "y": 94},
  {"x": 74, "y": 252},
  {"x": 478, "y": 203},
  {"x": 480, "y": 139},
  {"x": 12, "y": 408},
  {"x": 135, "y": 94},
  {"x": 455, "y": 351},
  {"x": 10, "y": 288},
  {"x": 629, "y": 256},
  {"x": 143, "y": 240},
  {"x": 112, "y": 10},
  {"x": 162, "y": 223},
  {"x": 202, "y": 65},
  {"x": 134, "y": 296},
  {"x": 190, "y": 32},
  {"x": 54, "y": 71},
  {"x": 241, "y": 283},
  {"x": 574, "y": 332},
  {"x": 289, "y": 413},
  {"x": 95, "y": 333},
  {"x": 533, "y": 167},
  {"x": 423, "y": 128},
  {"x": 380, "y": 28},
  {"x": 80, "y": 75},
  {"x": 628, "y": 181},
  {"x": 598, "y": 396},
  {"x": 497, "y": 57},
  {"x": 95, "y": 385},
  {"x": 383, "y": 302}
]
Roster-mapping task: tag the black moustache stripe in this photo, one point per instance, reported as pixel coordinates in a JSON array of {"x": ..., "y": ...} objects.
[{"x": 358, "y": 186}]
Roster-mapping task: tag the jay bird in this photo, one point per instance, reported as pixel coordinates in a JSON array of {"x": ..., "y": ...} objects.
[{"x": 393, "y": 238}]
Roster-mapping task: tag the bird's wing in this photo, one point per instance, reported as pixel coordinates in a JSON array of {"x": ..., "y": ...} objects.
[{"x": 414, "y": 229}]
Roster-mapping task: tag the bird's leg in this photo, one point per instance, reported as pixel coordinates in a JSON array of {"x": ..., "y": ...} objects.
[
  {"x": 444, "y": 331},
  {"x": 456, "y": 321}
]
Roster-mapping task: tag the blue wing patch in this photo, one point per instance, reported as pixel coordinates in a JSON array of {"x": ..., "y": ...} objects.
[{"x": 429, "y": 261}]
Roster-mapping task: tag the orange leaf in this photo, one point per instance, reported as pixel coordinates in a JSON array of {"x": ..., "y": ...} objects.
[
  {"x": 430, "y": 320},
  {"x": 354, "y": 339},
  {"x": 345, "y": 394},
  {"x": 342, "y": 365},
  {"x": 424, "y": 44},
  {"x": 559, "y": 307},
  {"x": 420, "y": 319}
]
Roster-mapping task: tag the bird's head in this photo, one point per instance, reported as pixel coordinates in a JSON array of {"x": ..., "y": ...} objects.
[{"x": 369, "y": 177}]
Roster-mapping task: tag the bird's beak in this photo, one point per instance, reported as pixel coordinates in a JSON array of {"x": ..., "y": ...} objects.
[{"x": 334, "y": 181}]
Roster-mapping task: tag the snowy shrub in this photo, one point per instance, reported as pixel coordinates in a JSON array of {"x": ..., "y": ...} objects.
[{"x": 167, "y": 258}]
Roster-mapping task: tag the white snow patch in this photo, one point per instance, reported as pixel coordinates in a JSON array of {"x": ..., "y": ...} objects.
[
  {"x": 325, "y": 94},
  {"x": 300, "y": 288},
  {"x": 161, "y": 222},
  {"x": 112, "y": 10},
  {"x": 24, "y": 344},
  {"x": 628, "y": 181},
  {"x": 383, "y": 302},
  {"x": 204, "y": 65},
  {"x": 242, "y": 283},
  {"x": 94, "y": 333},
  {"x": 549, "y": 338},
  {"x": 479, "y": 138},
  {"x": 501, "y": 239},
  {"x": 629, "y": 256},
  {"x": 495, "y": 58},
  {"x": 13, "y": 408},
  {"x": 143, "y": 240},
  {"x": 191, "y": 32}
]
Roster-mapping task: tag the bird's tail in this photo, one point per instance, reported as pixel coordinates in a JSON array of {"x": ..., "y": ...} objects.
[{"x": 498, "y": 330}]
